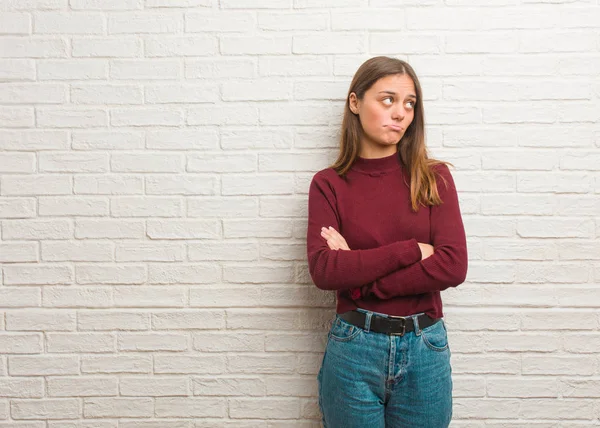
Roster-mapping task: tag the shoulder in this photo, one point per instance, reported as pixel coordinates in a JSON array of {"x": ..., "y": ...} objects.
[
  {"x": 443, "y": 176},
  {"x": 327, "y": 176}
]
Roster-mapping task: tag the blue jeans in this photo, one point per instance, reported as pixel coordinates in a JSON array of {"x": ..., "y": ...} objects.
[{"x": 377, "y": 380}]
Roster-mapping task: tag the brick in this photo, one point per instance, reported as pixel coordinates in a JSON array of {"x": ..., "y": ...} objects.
[
  {"x": 495, "y": 249},
  {"x": 320, "y": 90},
  {"x": 262, "y": 363},
  {"x": 188, "y": 93},
  {"x": 151, "y": 69},
  {"x": 105, "y": 364},
  {"x": 257, "y": 90},
  {"x": 15, "y": 23},
  {"x": 150, "y": 252},
  {"x": 71, "y": 118},
  {"x": 68, "y": 23},
  {"x": 73, "y": 162},
  {"x": 477, "y": 364},
  {"x": 219, "y": 68},
  {"x": 24, "y": 47},
  {"x": 87, "y": 386},
  {"x": 450, "y": 65},
  {"x": 148, "y": 116},
  {"x": 580, "y": 388},
  {"x": 45, "y": 409},
  {"x": 401, "y": 43},
  {"x": 279, "y": 408},
  {"x": 77, "y": 251},
  {"x": 295, "y": 342},
  {"x": 223, "y": 115},
  {"x": 17, "y": 207},
  {"x": 106, "y": 47},
  {"x": 262, "y": 319},
  {"x": 190, "y": 319},
  {"x": 112, "y": 229},
  {"x": 19, "y": 253},
  {"x": 477, "y": 43},
  {"x": 214, "y": 162},
  {"x": 73, "y": 297},
  {"x": 8, "y": 5},
  {"x": 259, "y": 4},
  {"x": 140, "y": 407},
  {"x": 182, "y": 229},
  {"x": 302, "y": 21},
  {"x": 17, "y": 70},
  {"x": 19, "y": 297},
  {"x": 109, "y": 320},
  {"x": 252, "y": 139},
  {"x": 78, "y": 69},
  {"x": 16, "y": 117},
  {"x": 222, "y": 251},
  {"x": 256, "y": 45},
  {"x": 183, "y": 273},
  {"x": 229, "y": 386},
  {"x": 106, "y": 94},
  {"x": 143, "y": 296},
  {"x": 33, "y": 140},
  {"x": 219, "y": 21},
  {"x": 141, "y": 162},
  {"x": 190, "y": 407},
  {"x": 109, "y": 5},
  {"x": 223, "y": 207},
  {"x": 178, "y": 364},
  {"x": 21, "y": 388},
  {"x": 101, "y": 140},
  {"x": 229, "y": 342},
  {"x": 304, "y": 4},
  {"x": 188, "y": 184},
  {"x": 558, "y": 365},
  {"x": 263, "y": 184},
  {"x": 35, "y": 320},
  {"x": 72, "y": 206},
  {"x": 282, "y": 65},
  {"x": 80, "y": 342},
  {"x": 110, "y": 274},
  {"x": 147, "y": 206},
  {"x": 178, "y": 3},
  {"x": 21, "y": 343},
  {"x": 329, "y": 43},
  {"x": 43, "y": 365},
  {"x": 113, "y": 184},
  {"x": 152, "y": 342},
  {"x": 38, "y": 184},
  {"x": 145, "y": 22},
  {"x": 257, "y": 274},
  {"x": 557, "y": 228},
  {"x": 225, "y": 297},
  {"x": 39, "y": 274},
  {"x": 26, "y": 93},
  {"x": 182, "y": 139},
  {"x": 199, "y": 45},
  {"x": 279, "y": 162},
  {"x": 564, "y": 409},
  {"x": 154, "y": 387},
  {"x": 515, "y": 204},
  {"x": 257, "y": 228}
]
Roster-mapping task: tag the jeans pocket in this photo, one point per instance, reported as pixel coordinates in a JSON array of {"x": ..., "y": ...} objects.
[
  {"x": 342, "y": 331},
  {"x": 435, "y": 336}
]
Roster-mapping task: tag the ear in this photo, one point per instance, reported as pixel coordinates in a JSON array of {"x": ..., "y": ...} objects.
[{"x": 353, "y": 102}]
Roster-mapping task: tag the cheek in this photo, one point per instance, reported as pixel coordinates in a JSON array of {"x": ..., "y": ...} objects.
[{"x": 373, "y": 119}]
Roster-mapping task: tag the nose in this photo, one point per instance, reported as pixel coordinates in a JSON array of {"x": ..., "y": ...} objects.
[{"x": 399, "y": 112}]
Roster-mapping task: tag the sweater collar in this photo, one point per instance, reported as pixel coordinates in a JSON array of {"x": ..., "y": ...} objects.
[{"x": 377, "y": 165}]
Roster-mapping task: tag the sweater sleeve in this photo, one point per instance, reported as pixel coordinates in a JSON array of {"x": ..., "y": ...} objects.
[
  {"x": 447, "y": 267},
  {"x": 345, "y": 269}
]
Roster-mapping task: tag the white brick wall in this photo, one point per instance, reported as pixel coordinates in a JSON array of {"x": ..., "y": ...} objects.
[{"x": 155, "y": 157}]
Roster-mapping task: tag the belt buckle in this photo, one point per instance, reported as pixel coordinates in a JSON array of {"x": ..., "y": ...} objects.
[{"x": 403, "y": 325}]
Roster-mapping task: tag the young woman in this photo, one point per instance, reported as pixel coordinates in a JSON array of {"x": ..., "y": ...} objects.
[{"x": 385, "y": 231}]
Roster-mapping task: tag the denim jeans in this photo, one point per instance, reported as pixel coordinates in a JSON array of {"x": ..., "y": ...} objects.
[{"x": 375, "y": 380}]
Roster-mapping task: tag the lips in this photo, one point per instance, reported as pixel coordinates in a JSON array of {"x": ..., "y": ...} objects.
[{"x": 395, "y": 127}]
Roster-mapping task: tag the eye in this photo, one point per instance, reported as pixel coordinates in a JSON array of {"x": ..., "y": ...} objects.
[
  {"x": 410, "y": 104},
  {"x": 388, "y": 101}
]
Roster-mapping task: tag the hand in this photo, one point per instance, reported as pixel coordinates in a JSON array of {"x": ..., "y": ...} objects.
[
  {"x": 335, "y": 241},
  {"x": 426, "y": 250}
]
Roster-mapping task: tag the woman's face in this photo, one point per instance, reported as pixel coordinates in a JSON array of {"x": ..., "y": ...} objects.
[{"x": 386, "y": 110}]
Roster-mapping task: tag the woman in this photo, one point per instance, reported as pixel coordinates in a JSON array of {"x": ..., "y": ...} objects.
[{"x": 385, "y": 231}]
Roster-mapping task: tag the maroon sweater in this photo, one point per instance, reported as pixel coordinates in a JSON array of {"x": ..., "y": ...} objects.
[{"x": 384, "y": 272}]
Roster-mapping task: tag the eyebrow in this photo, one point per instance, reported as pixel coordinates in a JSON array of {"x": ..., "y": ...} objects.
[{"x": 393, "y": 93}]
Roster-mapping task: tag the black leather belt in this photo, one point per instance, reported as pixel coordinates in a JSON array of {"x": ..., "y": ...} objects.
[{"x": 395, "y": 326}]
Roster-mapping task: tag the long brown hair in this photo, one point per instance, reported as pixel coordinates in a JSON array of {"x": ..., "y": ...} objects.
[{"x": 411, "y": 148}]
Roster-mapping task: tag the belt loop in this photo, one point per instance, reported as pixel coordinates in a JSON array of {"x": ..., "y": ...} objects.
[
  {"x": 368, "y": 321},
  {"x": 416, "y": 324}
]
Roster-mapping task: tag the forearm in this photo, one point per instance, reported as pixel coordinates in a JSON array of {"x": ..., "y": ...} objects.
[
  {"x": 447, "y": 267},
  {"x": 338, "y": 270}
]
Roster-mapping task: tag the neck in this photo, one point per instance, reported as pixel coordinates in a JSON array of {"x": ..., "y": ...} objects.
[{"x": 371, "y": 151}]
